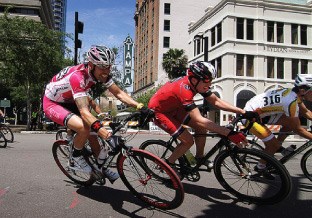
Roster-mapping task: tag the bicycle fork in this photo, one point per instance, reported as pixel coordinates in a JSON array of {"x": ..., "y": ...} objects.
[{"x": 132, "y": 160}]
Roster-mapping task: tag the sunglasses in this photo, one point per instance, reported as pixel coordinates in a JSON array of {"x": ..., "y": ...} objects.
[
  {"x": 206, "y": 80},
  {"x": 102, "y": 66}
]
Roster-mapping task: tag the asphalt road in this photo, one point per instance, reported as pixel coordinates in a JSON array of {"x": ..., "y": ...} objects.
[{"x": 31, "y": 185}]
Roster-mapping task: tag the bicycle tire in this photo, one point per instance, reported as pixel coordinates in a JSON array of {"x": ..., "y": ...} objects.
[
  {"x": 7, "y": 132},
  {"x": 61, "y": 151},
  {"x": 61, "y": 134},
  {"x": 158, "y": 192},
  {"x": 306, "y": 164},
  {"x": 269, "y": 187},
  {"x": 158, "y": 147},
  {"x": 3, "y": 141},
  {"x": 255, "y": 145}
]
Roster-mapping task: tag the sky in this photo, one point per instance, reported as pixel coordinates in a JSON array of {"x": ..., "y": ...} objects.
[{"x": 106, "y": 22}]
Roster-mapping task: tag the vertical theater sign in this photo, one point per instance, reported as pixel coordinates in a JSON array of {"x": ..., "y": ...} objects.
[{"x": 128, "y": 54}]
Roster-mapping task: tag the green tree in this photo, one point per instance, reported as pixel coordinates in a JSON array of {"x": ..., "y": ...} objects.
[
  {"x": 30, "y": 54},
  {"x": 174, "y": 63}
]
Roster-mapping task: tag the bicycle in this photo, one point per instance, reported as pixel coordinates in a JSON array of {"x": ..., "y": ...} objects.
[
  {"x": 7, "y": 132},
  {"x": 234, "y": 169},
  {"x": 134, "y": 167},
  {"x": 306, "y": 159},
  {"x": 3, "y": 140}
]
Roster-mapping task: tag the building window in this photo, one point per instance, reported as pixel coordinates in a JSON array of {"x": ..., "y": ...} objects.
[
  {"x": 280, "y": 68},
  {"x": 280, "y": 32},
  {"x": 167, "y": 8},
  {"x": 304, "y": 66},
  {"x": 198, "y": 50},
  {"x": 294, "y": 68},
  {"x": 213, "y": 63},
  {"x": 270, "y": 31},
  {"x": 240, "y": 28},
  {"x": 270, "y": 67},
  {"x": 219, "y": 67},
  {"x": 303, "y": 34},
  {"x": 166, "y": 42},
  {"x": 250, "y": 29},
  {"x": 166, "y": 25},
  {"x": 219, "y": 32},
  {"x": 213, "y": 36},
  {"x": 250, "y": 66},
  {"x": 239, "y": 65},
  {"x": 294, "y": 33}
]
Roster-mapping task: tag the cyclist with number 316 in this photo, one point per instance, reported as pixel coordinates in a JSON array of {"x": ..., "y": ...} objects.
[{"x": 281, "y": 107}]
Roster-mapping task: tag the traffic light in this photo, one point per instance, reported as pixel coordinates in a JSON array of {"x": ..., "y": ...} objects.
[{"x": 78, "y": 29}]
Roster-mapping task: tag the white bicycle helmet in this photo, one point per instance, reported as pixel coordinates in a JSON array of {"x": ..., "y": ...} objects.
[
  {"x": 303, "y": 80},
  {"x": 101, "y": 55}
]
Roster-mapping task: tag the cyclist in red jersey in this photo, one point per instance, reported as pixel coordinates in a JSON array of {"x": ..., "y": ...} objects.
[
  {"x": 174, "y": 106},
  {"x": 66, "y": 102}
]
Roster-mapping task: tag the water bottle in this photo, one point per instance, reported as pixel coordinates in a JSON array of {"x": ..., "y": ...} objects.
[
  {"x": 190, "y": 157},
  {"x": 103, "y": 155},
  {"x": 289, "y": 150}
]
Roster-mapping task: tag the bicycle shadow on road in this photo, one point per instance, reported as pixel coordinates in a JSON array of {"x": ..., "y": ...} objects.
[
  {"x": 222, "y": 204},
  {"x": 116, "y": 198}
]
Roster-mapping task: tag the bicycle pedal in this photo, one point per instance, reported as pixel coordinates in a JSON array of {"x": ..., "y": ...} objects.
[{"x": 101, "y": 181}]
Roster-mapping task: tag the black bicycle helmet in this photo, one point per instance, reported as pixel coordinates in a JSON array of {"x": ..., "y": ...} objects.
[{"x": 202, "y": 71}]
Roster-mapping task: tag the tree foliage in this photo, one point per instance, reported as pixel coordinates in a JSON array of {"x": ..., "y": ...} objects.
[
  {"x": 30, "y": 54},
  {"x": 174, "y": 63}
]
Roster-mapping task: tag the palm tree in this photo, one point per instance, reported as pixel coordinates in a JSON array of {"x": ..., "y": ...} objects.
[{"x": 174, "y": 63}]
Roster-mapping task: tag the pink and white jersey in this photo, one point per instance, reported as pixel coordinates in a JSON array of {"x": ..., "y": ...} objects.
[{"x": 71, "y": 83}]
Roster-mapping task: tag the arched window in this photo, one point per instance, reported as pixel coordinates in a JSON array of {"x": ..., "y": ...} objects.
[{"x": 242, "y": 97}]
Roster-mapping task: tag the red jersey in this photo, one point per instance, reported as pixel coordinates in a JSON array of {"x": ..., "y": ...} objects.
[{"x": 173, "y": 96}]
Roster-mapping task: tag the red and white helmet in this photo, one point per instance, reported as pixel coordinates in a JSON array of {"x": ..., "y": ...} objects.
[{"x": 101, "y": 56}]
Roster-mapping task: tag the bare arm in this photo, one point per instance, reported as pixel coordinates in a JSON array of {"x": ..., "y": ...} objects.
[
  {"x": 83, "y": 106},
  {"x": 122, "y": 96},
  {"x": 95, "y": 106},
  {"x": 304, "y": 111},
  {"x": 206, "y": 123},
  {"x": 223, "y": 105},
  {"x": 295, "y": 125}
]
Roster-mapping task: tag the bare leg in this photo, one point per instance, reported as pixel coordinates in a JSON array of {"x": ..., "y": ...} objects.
[{"x": 186, "y": 142}]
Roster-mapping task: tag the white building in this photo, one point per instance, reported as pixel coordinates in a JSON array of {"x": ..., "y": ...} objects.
[
  {"x": 161, "y": 25},
  {"x": 255, "y": 46}
]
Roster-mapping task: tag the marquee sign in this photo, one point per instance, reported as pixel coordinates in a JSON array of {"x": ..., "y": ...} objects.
[{"x": 128, "y": 54}]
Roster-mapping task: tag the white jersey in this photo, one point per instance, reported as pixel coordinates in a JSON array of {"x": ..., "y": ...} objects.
[{"x": 275, "y": 103}]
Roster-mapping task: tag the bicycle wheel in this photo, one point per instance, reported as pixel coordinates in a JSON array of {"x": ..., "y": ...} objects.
[
  {"x": 306, "y": 164},
  {"x": 3, "y": 141},
  {"x": 61, "y": 152},
  {"x": 159, "y": 148},
  {"x": 238, "y": 176},
  {"x": 61, "y": 134},
  {"x": 7, "y": 132},
  {"x": 164, "y": 192},
  {"x": 251, "y": 145},
  {"x": 254, "y": 145}
]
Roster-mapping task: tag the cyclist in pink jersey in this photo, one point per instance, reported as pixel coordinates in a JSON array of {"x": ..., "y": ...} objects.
[
  {"x": 66, "y": 102},
  {"x": 174, "y": 106}
]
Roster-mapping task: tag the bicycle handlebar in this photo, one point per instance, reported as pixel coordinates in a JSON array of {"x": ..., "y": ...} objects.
[{"x": 117, "y": 126}]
